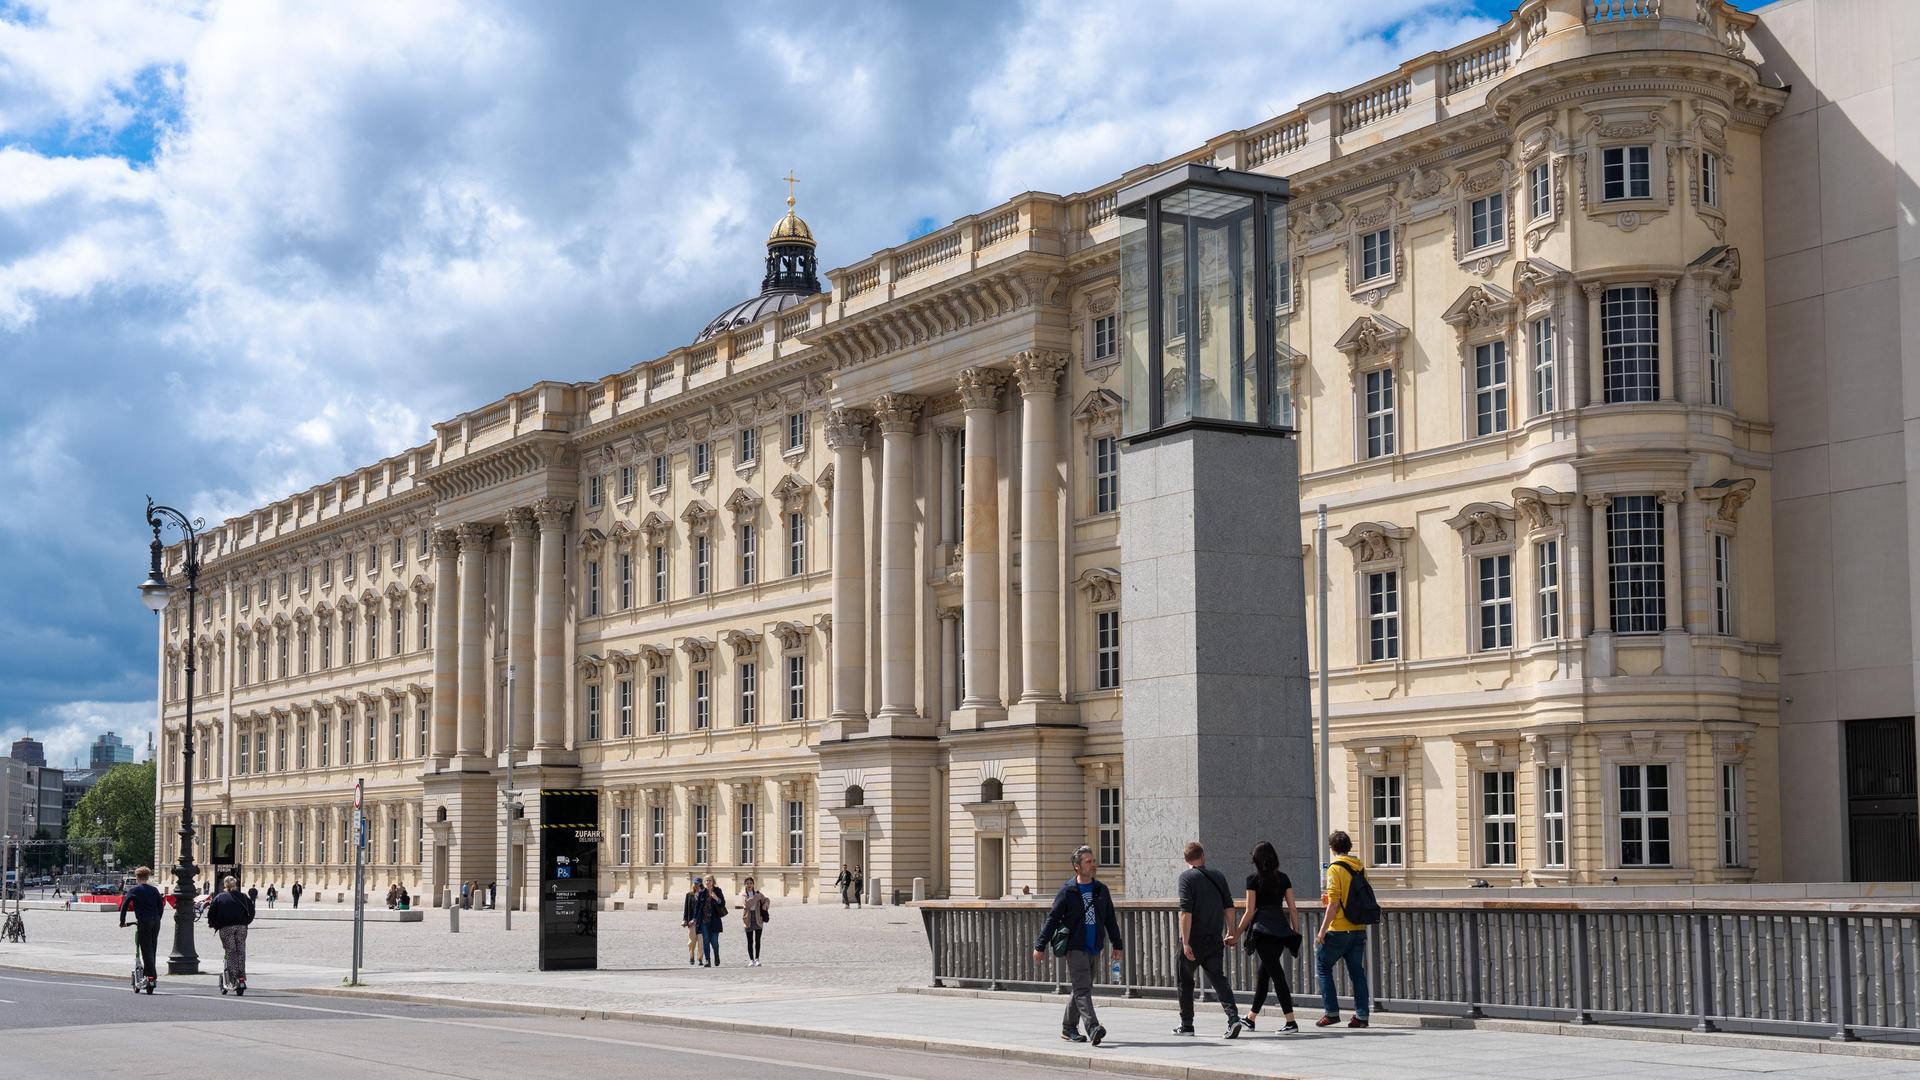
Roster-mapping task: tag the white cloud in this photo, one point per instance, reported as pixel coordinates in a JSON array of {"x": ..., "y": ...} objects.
[{"x": 68, "y": 730}]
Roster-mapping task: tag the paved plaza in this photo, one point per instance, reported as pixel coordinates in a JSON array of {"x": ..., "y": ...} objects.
[{"x": 835, "y": 976}]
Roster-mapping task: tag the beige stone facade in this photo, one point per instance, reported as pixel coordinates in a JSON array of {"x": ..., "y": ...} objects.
[{"x": 836, "y": 584}]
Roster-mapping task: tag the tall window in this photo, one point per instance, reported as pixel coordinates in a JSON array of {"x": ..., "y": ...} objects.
[
  {"x": 259, "y": 751},
  {"x": 702, "y": 458},
  {"x": 595, "y": 488},
  {"x": 396, "y": 736},
  {"x": 241, "y": 678},
  {"x": 1499, "y": 821},
  {"x": 660, "y": 474},
  {"x": 1389, "y": 822},
  {"x": 300, "y": 750},
  {"x": 346, "y": 637},
  {"x": 346, "y": 740},
  {"x": 282, "y": 636},
  {"x": 747, "y": 852},
  {"x": 322, "y": 742},
  {"x": 1496, "y": 601},
  {"x": 749, "y": 554},
  {"x": 747, "y": 447},
  {"x": 279, "y": 748},
  {"x": 1626, "y": 172},
  {"x": 373, "y": 635},
  {"x": 1719, "y": 392},
  {"x": 399, "y": 624},
  {"x": 1553, "y": 815},
  {"x": 426, "y": 624},
  {"x": 373, "y": 735},
  {"x": 1547, "y": 587},
  {"x": 1636, "y": 564},
  {"x": 1489, "y": 220},
  {"x": 326, "y": 651},
  {"x": 702, "y": 852},
  {"x": 1540, "y": 346},
  {"x": 702, "y": 565},
  {"x": 1645, "y": 824},
  {"x": 659, "y": 688},
  {"x": 626, "y": 708},
  {"x": 304, "y": 640},
  {"x": 420, "y": 731},
  {"x": 1629, "y": 344},
  {"x": 796, "y": 544},
  {"x": 1106, "y": 650},
  {"x": 1722, "y": 584},
  {"x": 1540, "y": 191},
  {"x": 796, "y": 688},
  {"x": 266, "y": 672},
  {"x": 1106, "y": 474},
  {"x": 796, "y": 430},
  {"x": 593, "y": 587},
  {"x": 1376, "y": 255},
  {"x": 625, "y": 564},
  {"x": 657, "y": 837},
  {"x": 1377, "y": 405},
  {"x": 796, "y": 832},
  {"x": 1383, "y": 616},
  {"x": 749, "y": 690},
  {"x": 1490, "y": 388},
  {"x": 593, "y": 711},
  {"x": 1710, "y": 178},
  {"x": 1733, "y": 832},
  {"x": 1107, "y": 826},
  {"x": 1106, "y": 337},
  {"x": 626, "y": 836},
  {"x": 659, "y": 573},
  {"x": 702, "y": 699}
]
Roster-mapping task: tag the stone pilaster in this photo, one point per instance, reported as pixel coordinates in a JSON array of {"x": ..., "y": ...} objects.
[
  {"x": 898, "y": 417},
  {"x": 474, "y": 541},
  {"x": 522, "y": 538},
  {"x": 550, "y": 613},
  {"x": 446, "y": 642},
  {"x": 847, "y": 436},
  {"x": 1038, "y": 373},
  {"x": 980, "y": 700}
]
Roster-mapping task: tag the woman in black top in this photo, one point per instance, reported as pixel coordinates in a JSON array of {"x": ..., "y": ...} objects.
[{"x": 1269, "y": 928}]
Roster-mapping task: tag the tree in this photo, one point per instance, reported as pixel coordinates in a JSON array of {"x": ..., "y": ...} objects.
[{"x": 122, "y": 804}]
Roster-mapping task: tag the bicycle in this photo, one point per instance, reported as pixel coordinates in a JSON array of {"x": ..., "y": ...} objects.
[{"x": 15, "y": 929}]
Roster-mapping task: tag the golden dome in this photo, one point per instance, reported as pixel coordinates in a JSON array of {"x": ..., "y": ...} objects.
[{"x": 790, "y": 229}]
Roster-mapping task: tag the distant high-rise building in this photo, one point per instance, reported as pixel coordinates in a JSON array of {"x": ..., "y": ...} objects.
[
  {"x": 28, "y": 751},
  {"x": 108, "y": 751}
]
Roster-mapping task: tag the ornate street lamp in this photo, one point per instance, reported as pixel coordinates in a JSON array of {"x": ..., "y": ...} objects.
[{"x": 154, "y": 593}]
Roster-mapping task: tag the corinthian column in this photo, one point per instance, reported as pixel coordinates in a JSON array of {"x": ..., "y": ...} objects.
[
  {"x": 520, "y": 556},
  {"x": 1038, "y": 372},
  {"x": 474, "y": 538},
  {"x": 550, "y": 613},
  {"x": 847, "y": 437},
  {"x": 980, "y": 548},
  {"x": 446, "y": 643},
  {"x": 898, "y": 417}
]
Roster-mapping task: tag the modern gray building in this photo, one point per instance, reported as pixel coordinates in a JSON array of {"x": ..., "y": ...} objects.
[
  {"x": 108, "y": 751},
  {"x": 28, "y": 751}
]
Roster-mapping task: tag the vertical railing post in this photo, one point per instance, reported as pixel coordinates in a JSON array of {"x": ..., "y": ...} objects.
[
  {"x": 1130, "y": 963},
  {"x": 1582, "y": 1003},
  {"x": 1840, "y": 981},
  {"x": 1376, "y": 971},
  {"x": 1472, "y": 961},
  {"x": 1702, "y": 933},
  {"x": 993, "y": 951},
  {"x": 936, "y": 931}
]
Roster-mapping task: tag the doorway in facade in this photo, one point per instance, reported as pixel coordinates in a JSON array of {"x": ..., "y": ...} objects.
[
  {"x": 1883, "y": 801},
  {"x": 440, "y": 884},
  {"x": 854, "y": 854},
  {"x": 992, "y": 869}
]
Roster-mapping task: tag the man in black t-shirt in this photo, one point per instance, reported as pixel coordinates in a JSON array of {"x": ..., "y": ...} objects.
[
  {"x": 1205, "y": 903},
  {"x": 147, "y": 906}
]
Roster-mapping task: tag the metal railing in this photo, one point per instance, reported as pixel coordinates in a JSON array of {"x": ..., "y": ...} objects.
[{"x": 1835, "y": 969}]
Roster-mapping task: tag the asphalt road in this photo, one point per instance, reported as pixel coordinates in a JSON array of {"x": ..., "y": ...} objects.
[{"x": 48, "y": 1023}]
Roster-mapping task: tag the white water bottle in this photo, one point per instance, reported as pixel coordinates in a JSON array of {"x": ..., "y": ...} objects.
[{"x": 1114, "y": 970}]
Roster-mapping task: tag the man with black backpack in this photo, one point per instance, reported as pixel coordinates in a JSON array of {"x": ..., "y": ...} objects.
[{"x": 1350, "y": 909}]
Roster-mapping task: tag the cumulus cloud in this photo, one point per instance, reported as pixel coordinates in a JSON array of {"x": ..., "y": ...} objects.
[{"x": 248, "y": 247}]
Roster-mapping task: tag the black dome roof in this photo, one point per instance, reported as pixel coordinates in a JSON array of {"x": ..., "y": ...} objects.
[
  {"x": 750, "y": 310},
  {"x": 793, "y": 276}
]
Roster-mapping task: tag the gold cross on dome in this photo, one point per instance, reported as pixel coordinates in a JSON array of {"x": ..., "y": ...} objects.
[{"x": 789, "y": 178}]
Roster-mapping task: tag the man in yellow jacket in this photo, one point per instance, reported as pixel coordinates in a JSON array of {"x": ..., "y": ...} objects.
[{"x": 1341, "y": 939}]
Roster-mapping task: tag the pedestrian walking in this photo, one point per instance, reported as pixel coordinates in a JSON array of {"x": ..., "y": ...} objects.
[
  {"x": 253, "y": 893},
  {"x": 713, "y": 921},
  {"x": 1205, "y": 904},
  {"x": 491, "y": 896},
  {"x": 859, "y": 888},
  {"x": 690, "y": 918},
  {"x": 1082, "y": 921},
  {"x": 845, "y": 884},
  {"x": 1350, "y": 909},
  {"x": 229, "y": 915},
  {"x": 1269, "y": 924},
  {"x": 273, "y": 893},
  {"x": 755, "y": 911},
  {"x": 297, "y": 890},
  {"x": 466, "y": 895}
]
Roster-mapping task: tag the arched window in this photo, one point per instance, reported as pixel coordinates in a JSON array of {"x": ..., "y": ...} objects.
[
  {"x": 990, "y": 790},
  {"x": 440, "y": 814},
  {"x": 856, "y": 796}
]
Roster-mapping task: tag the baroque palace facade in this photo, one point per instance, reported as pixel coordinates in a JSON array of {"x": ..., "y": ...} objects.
[{"x": 836, "y": 582}]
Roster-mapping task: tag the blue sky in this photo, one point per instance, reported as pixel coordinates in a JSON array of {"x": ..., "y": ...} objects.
[{"x": 246, "y": 247}]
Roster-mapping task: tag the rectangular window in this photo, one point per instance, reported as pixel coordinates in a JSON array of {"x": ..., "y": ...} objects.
[
  {"x": 300, "y": 751},
  {"x": 285, "y": 582},
  {"x": 1106, "y": 650},
  {"x": 346, "y": 740},
  {"x": 702, "y": 854},
  {"x": 796, "y": 544},
  {"x": 1106, "y": 474},
  {"x": 796, "y": 832},
  {"x": 1377, "y": 406},
  {"x": 306, "y": 578},
  {"x": 1490, "y": 388},
  {"x": 1376, "y": 255},
  {"x": 322, "y": 744},
  {"x": 1545, "y": 374},
  {"x": 396, "y": 736},
  {"x": 626, "y": 580},
  {"x": 593, "y": 711},
  {"x": 749, "y": 679},
  {"x": 1499, "y": 820},
  {"x": 302, "y": 644},
  {"x": 1645, "y": 824},
  {"x": 1540, "y": 191},
  {"x": 1626, "y": 172},
  {"x": 626, "y": 481},
  {"x": 593, "y": 587},
  {"x": 259, "y": 751},
  {"x": 796, "y": 430},
  {"x": 625, "y": 822},
  {"x": 373, "y": 635},
  {"x": 659, "y": 686},
  {"x": 242, "y": 678},
  {"x": 373, "y": 735},
  {"x": 399, "y": 552},
  {"x": 702, "y": 458},
  {"x": 1733, "y": 832},
  {"x": 659, "y": 574},
  {"x": 626, "y": 708},
  {"x": 399, "y": 624},
  {"x": 279, "y": 749},
  {"x": 1496, "y": 602},
  {"x": 420, "y": 732},
  {"x": 747, "y": 445},
  {"x": 1389, "y": 837},
  {"x": 1710, "y": 178},
  {"x": 1107, "y": 826},
  {"x": 1106, "y": 337},
  {"x": 265, "y": 672},
  {"x": 593, "y": 490},
  {"x": 1636, "y": 564},
  {"x": 747, "y": 852},
  {"x": 1719, "y": 392},
  {"x": 426, "y": 626},
  {"x": 1489, "y": 220},
  {"x": 1383, "y": 616},
  {"x": 657, "y": 838},
  {"x": 702, "y": 565},
  {"x": 326, "y": 652},
  {"x": 1722, "y": 584},
  {"x": 346, "y": 637},
  {"x": 796, "y": 688},
  {"x": 283, "y": 653},
  {"x": 702, "y": 699},
  {"x": 326, "y": 578},
  {"x": 749, "y": 554},
  {"x": 1629, "y": 344},
  {"x": 1547, "y": 588},
  {"x": 1553, "y": 815},
  {"x": 660, "y": 466}
]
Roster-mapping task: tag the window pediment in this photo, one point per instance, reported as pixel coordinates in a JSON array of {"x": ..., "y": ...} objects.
[
  {"x": 791, "y": 491},
  {"x": 1482, "y": 524},
  {"x": 744, "y": 643},
  {"x": 699, "y": 517},
  {"x": 743, "y": 504},
  {"x": 1099, "y": 409},
  {"x": 1480, "y": 310},
  {"x": 656, "y": 525},
  {"x": 1372, "y": 340},
  {"x": 1542, "y": 507},
  {"x": 1376, "y": 542}
]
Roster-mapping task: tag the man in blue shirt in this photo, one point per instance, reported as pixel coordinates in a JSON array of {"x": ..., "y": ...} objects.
[
  {"x": 147, "y": 906},
  {"x": 1085, "y": 907}
]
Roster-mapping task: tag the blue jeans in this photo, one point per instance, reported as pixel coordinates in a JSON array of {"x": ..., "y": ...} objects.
[
  {"x": 1351, "y": 946},
  {"x": 710, "y": 943}
]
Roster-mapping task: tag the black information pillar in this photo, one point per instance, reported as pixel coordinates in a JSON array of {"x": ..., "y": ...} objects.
[{"x": 569, "y": 872}]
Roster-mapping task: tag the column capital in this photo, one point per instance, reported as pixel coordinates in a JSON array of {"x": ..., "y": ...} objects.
[
  {"x": 948, "y": 433},
  {"x": 897, "y": 414},
  {"x": 520, "y": 523},
  {"x": 1675, "y": 495},
  {"x": 847, "y": 428},
  {"x": 474, "y": 536},
  {"x": 446, "y": 543},
  {"x": 1038, "y": 370},
  {"x": 948, "y": 614},
  {"x": 1598, "y": 499},
  {"x": 980, "y": 387},
  {"x": 552, "y": 513}
]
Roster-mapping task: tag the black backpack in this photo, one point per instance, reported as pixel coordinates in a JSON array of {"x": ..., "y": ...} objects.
[{"x": 1361, "y": 906}]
